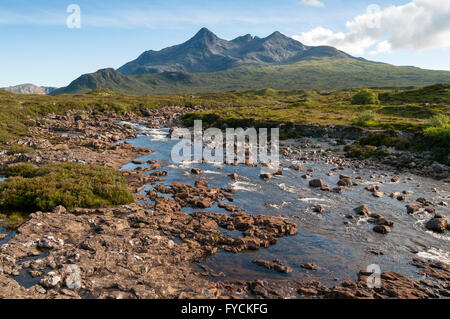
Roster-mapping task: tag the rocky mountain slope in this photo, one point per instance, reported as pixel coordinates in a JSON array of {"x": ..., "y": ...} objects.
[
  {"x": 29, "y": 89},
  {"x": 205, "y": 52}
]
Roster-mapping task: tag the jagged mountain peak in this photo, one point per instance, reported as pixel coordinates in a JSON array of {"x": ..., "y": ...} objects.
[
  {"x": 205, "y": 32},
  {"x": 276, "y": 34},
  {"x": 206, "y": 52},
  {"x": 205, "y": 35},
  {"x": 243, "y": 38},
  {"x": 107, "y": 71}
]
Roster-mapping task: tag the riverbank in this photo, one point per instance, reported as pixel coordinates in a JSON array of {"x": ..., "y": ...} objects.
[{"x": 149, "y": 249}]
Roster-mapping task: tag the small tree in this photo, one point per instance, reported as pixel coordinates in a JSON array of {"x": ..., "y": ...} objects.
[
  {"x": 439, "y": 120},
  {"x": 365, "y": 97},
  {"x": 364, "y": 118}
]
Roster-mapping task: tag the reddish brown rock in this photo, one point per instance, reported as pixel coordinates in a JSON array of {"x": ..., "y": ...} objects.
[
  {"x": 316, "y": 183},
  {"x": 363, "y": 210},
  {"x": 196, "y": 171},
  {"x": 438, "y": 224},
  {"x": 275, "y": 265},
  {"x": 309, "y": 266},
  {"x": 345, "y": 182},
  {"x": 382, "y": 229},
  {"x": 318, "y": 209},
  {"x": 412, "y": 209},
  {"x": 395, "y": 179}
]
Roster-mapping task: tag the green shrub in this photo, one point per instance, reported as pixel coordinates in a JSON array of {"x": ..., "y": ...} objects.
[
  {"x": 119, "y": 108},
  {"x": 12, "y": 220},
  {"x": 364, "y": 151},
  {"x": 364, "y": 118},
  {"x": 72, "y": 185},
  {"x": 439, "y": 120},
  {"x": 26, "y": 170},
  {"x": 384, "y": 139},
  {"x": 433, "y": 94},
  {"x": 365, "y": 97},
  {"x": 438, "y": 136},
  {"x": 18, "y": 149}
]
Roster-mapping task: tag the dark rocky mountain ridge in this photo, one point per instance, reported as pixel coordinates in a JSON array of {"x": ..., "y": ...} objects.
[{"x": 206, "y": 52}]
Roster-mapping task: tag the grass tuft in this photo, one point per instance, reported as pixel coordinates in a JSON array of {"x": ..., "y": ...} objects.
[{"x": 30, "y": 188}]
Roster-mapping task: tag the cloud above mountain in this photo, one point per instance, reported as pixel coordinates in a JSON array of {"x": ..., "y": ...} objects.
[
  {"x": 312, "y": 3},
  {"x": 417, "y": 25}
]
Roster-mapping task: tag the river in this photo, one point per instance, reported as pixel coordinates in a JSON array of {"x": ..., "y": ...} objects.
[{"x": 339, "y": 249}]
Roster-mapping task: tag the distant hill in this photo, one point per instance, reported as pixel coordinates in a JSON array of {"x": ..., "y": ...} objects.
[
  {"x": 105, "y": 78},
  {"x": 29, "y": 89},
  {"x": 206, "y": 63}
]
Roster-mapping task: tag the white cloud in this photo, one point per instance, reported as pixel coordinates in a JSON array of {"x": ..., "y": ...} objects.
[
  {"x": 382, "y": 47},
  {"x": 312, "y": 3},
  {"x": 417, "y": 25}
]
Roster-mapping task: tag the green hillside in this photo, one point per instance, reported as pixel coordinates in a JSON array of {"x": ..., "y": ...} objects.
[
  {"x": 439, "y": 93},
  {"x": 318, "y": 73}
]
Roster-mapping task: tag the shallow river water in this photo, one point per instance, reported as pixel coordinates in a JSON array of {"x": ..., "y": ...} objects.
[{"x": 339, "y": 250}]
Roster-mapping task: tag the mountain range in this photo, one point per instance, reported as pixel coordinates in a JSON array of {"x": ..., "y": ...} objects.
[
  {"x": 29, "y": 89},
  {"x": 205, "y": 52},
  {"x": 206, "y": 63}
]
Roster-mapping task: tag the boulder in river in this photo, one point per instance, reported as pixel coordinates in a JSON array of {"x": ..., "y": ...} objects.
[
  {"x": 317, "y": 183},
  {"x": 319, "y": 209},
  {"x": 338, "y": 190},
  {"x": 412, "y": 209},
  {"x": 296, "y": 167},
  {"x": 382, "y": 229},
  {"x": 395, "y": 179},
  {"x": 346, "y": 182},
  {"x": 275, "y": 265},
  {"x": 377, "y": 193},
  {"x": 309, "y": 266},
  {"x": 363, "y": 210},
  {"x": 438, "y": 224},
  {"x": 384, "y": 222},
  {"x": 196, "y": 171},
  {"x": 424, "y": 201}
]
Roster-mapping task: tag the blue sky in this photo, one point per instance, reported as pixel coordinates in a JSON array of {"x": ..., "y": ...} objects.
[{"x": 39, "y": 48}]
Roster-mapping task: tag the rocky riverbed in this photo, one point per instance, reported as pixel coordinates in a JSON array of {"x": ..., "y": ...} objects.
[{"x": 199, "y": 230}]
